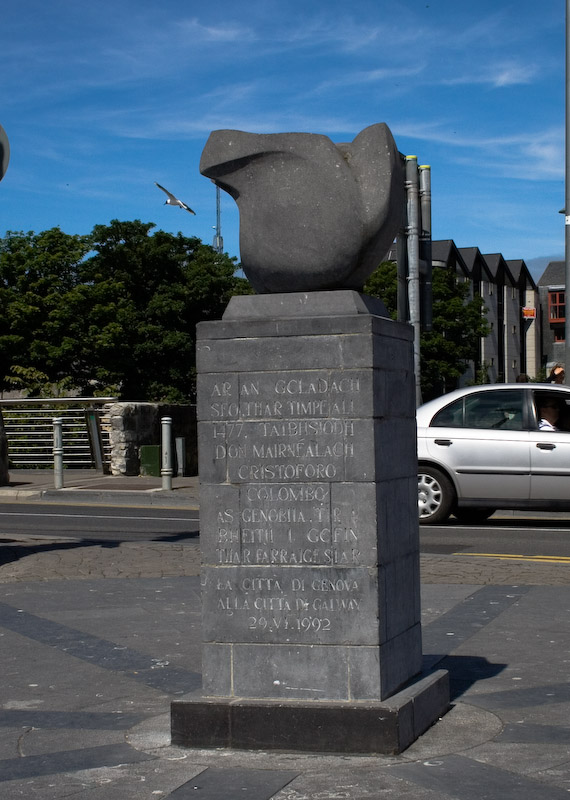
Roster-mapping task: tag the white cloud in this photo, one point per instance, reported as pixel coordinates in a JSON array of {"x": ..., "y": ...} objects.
[
  {"x": 224, "y": 32},
  {"x": 528, "y": 154},
  {"x": 512, "y": 74},
  {"x": 367, "y": 77},
  {"x": 319, "y": 30},
  {"x": 498, "y": 75},
  {"x": 188, "y": 125},
  {"x": 490, "y": 30}
]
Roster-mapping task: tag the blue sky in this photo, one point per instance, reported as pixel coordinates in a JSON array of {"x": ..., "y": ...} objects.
[{"x": 101, "y": 99}]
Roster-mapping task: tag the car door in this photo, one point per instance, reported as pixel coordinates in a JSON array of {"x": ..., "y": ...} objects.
[
  {"x": 481, "y": 439},
  {"x": 550, "y": 450}
]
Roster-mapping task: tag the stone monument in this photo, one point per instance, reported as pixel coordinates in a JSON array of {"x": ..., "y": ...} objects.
[{"x": 307, "y": 463}]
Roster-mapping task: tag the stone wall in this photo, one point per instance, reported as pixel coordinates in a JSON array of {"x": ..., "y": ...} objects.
[{"x": 136, "y": 424}]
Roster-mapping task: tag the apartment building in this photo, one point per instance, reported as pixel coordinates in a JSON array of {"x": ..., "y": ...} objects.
[
  {"x": 511, "y": 297},
  {"x": 552, "y": 295}
]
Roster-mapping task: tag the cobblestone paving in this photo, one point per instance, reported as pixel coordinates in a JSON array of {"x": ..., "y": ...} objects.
[
  {"x": 31, "y": 559},
  {"x": 62, "y": 561},
  {"x": 496, "y": 571}
]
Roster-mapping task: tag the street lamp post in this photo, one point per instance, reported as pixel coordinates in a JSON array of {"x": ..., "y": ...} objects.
[{"x": 218, "y": 241}]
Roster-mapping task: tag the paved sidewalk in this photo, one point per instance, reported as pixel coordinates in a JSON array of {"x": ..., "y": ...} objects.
[
  {"x": 97, "y": 640},
  {"x": 86, "y": 486}
]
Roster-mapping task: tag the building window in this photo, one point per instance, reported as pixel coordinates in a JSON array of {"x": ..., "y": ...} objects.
[
  {"x": 556, "y": 306},
  {"x": 559, "y": 334}
]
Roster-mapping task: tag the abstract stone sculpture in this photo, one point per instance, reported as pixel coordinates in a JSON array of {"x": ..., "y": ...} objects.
[{"x": 313, "y": 215}]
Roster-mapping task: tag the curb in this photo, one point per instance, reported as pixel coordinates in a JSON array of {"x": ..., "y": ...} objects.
[{"x": 162, "y": 498}]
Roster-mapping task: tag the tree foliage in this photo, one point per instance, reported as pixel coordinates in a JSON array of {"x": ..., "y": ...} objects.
[
  {"x": 383, "y": 283},
  {"x": 115, "y": 312},
  {"x": 459, "y": 322},
  {"x": 111, "y": 312}
]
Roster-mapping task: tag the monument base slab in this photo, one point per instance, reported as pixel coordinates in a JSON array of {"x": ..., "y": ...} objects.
[{"x": 383, "y": 727}]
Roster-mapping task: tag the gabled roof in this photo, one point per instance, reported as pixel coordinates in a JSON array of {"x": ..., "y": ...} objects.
[
  {"x": 499, "y": 268},
  {"x": 554, "y": 274},
  {"x": 491, "y": 267},
  {"x": 521, "y": 273},
  {"x": 444, "y": 251},
  {"x": 476, "y": 264},
  {"x": 515, "y": 268},
  {"x": 470, "y": 255}
]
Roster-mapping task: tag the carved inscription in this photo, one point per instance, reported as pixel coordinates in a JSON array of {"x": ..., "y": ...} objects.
[
  {"x": 323, "y": 395},
  {"x": 303, "y": 427},
  {"x": 287, "y": 565},
  {"x": 288, "y": 526},
  {"x": 287, "y": 605}
]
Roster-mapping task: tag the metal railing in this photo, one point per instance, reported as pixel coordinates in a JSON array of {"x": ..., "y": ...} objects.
[{"x": 86, "y": 429}]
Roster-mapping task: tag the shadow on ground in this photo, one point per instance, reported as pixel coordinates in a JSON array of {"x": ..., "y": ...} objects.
[
  {"x": 465, "y": 671},
  {"x": 13, "y": 549}
]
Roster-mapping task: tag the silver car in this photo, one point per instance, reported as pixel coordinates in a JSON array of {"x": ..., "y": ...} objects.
[{"x": 497, "y": 446}]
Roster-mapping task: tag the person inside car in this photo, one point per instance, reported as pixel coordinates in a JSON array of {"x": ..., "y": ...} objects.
[{"x": 548, "y": 415}]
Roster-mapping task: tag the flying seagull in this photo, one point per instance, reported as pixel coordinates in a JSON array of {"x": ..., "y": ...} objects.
[{"x": 174, "y": 201}]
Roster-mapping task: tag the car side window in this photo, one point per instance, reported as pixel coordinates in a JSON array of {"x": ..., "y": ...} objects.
[
  {"x": 451, "y": 416},
  {"x": 501, "y": 410},
  {"x": 552, "y": 410}
]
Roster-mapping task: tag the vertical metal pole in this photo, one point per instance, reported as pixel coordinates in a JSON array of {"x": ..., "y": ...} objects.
[
  {"x": 218, "y": 241},
  {"x": 412, "y": 191},
  {"x": 58, "y": 452},
  {"x": 94, "y": 431},
  {"x": 567, "y": 202},
  {"x": 402, "y": 262},
  {"x": 166, "y": 445},
  {"x": 402, "y": 275},
  {"x": 425, "y": 245},
  {"x": 180, "y": 448}
]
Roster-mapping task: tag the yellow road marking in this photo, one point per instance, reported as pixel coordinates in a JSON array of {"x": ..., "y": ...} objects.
[{"x": 543, "y": 559}]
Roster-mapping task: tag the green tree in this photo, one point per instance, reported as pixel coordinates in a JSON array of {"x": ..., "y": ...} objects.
[
  {"x": 383, "y": 283},
  {"x": 111, "y": 312},
  {"x": 37, "y": 274},
  {"x": 147, "y": 293},
  {"x": 458, "y": 325}
]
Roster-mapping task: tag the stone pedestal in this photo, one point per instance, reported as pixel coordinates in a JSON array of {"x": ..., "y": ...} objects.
[{"x": 309, "y": 530}]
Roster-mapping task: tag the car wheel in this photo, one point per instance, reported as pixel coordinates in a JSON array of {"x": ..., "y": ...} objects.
[
  {"x": 436, "y": 496},
  {"x": 473, "y": 515}
]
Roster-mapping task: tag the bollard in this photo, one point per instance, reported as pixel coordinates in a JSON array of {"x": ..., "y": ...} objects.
[
  {"x": 58, "y": 452},
  {"x": 166, "y": 459},
  {"x": 180, "y": 449}
]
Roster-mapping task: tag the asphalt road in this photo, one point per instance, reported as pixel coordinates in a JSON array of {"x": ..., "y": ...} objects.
[
  {"x": 546, "y": 538},
  {"x": 533, "y": 537},
  {"x": 98, "y": 523}
]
